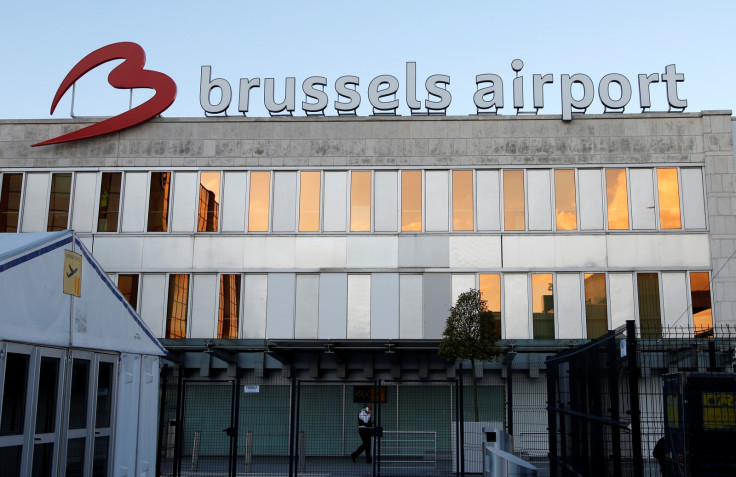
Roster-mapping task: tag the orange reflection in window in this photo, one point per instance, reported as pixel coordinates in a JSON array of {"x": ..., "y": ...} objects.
[
  {"x": 229, "y": 312},
  {"x": 209, "y": 202},
  {"x": 596, "y": 305},
  {"x": 360, "y": 201},
  {"x": 176, "y": 310},
  {"x": 260, "y": 195},
  {"x": 411, "y": 201},
  {"x": 309, "y": 196},
  {"x": 669, "y": 198},
  {"x": 543, "y": 306},
  {"x": 513, "y": 200},
  {"x": 700, "y": 296},
  {"x": 565, "y": 205},
  {"x": 618, "y": 199},
  {"x": 490, "y": 291},
  {"x": 462, "y": 200}
]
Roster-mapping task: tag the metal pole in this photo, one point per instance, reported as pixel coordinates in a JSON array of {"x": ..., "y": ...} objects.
[
  {"x": 163, "y": 383},
  {"x": 293, "y": 423},
  {"x": 236, "y": 421},
  {"x": 510, "y": 398},
  {"x": 179, "y": 421},
  {"x": 634, "y": 398},
  {"x": 552, "y": 416},
  {"x": 462, "y": 422},
  {"x": 614, "y": 400}
]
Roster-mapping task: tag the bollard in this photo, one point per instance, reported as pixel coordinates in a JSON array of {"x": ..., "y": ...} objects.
[
  {"x": 195, "y": 449},
  {"x": 248, "y": 452},
  {"x": 302, "y": 446}
]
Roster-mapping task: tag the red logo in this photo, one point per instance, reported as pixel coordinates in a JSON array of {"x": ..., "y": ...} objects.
[{"x": 129, "y": 74}]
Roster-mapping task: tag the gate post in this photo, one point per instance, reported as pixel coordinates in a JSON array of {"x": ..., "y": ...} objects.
[
  {"x": 179, "y": 421},
  {"x": 614, "y": 400},
  {"x": 552, "y": 416},
  {"x": 461, "y": 404},
  {"x": 633, "y": 370},
  {"x": 295, "y": 384},
  {"x": 163, "y": 385}
]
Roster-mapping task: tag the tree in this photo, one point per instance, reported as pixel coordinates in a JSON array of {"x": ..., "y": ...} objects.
[{"x": 470, "y": 334}]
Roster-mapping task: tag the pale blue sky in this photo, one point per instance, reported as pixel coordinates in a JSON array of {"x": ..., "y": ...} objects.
[{"x": 43, "y": 40}]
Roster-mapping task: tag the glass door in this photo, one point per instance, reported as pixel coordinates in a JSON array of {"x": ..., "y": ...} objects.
[{"x": 14, "y": 371}]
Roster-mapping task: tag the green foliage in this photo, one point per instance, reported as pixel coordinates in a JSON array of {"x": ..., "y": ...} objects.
[{"x": 470, "y": 332}]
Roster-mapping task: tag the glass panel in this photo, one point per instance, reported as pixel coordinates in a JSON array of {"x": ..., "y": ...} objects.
[
  {"x": 411, "y": 201},
  {"x": 650, "y": 318},
  {"x": 43, "y": 457},
  {"x": 617, "y": 199},
  {"x": 669, "y": 198},
  {"x": 566, "y": 210},
  {"x": 107, "y": 215},
  {"x": 75, "y": 457},
  {"x": 158, "y": 202},
  {"x": 79, "y": 393},
  {"x": 260, "y": 196},
  {"x": 360, "y": 201},
  {"x": 100, "y": 457},
  {"x": 128, "y": 286},
  {"x": 543, "y": 306},
  {"x": 61, "y": 187},
  {"x": 209, "y": 202},
  {"x": 309, "y": 197},
  {"x": 596, "y": 305},
  {"x": 490, "y": 291},
  {"x": 48, "y": 386},
  {"x": 104, "y": 395},
  {"x": 513, "y": 200},
  {"x": 227, "y": 323},
  {"x": 10, "y": 459},
  {"x": 14, "y": 394},
  {"x": 700, "y": 296},
  {"x": 462, "y": 200},
  {"x": 176, "y": 311},
  {"x": 10, "y": 193}
]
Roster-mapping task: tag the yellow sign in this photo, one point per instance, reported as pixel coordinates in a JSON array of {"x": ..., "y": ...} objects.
[
  {"x": 719, "y": 410},
  {"x": 72, "y": 273}
]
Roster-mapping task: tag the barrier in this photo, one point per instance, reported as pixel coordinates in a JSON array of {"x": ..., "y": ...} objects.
[{"x": 409, "y": 449}]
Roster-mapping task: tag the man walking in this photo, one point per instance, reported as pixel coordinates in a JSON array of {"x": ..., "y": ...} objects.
[{"x": 365, "y": 427}]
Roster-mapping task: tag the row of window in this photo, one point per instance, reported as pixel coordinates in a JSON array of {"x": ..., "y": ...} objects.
[{"x": 461, "y": 200}]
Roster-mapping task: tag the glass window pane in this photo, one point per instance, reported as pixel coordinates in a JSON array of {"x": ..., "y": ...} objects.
[
  {"x": 79, "y": 393},
  {"x": 61, "y": 188},
  {"x": 128, "y": 286},
  {"x": 75, "y": 457},
  {"x": 158, "y": 202},
  {"x": 10, "y": 460},
  {"x": 104, "y": 395},
  {"x": 411, "y": 201},
  {"x": 513, "y": 200},
  {"x": 100, "y": 457},
  {"x": 490, "y": 291},
  {"x": 566, "y": 210},
  {"x": 209, "y": 202},
  {"x": 48, "y": 385},
  {"x": 10, "y": 193},
  {"x": 462, "y": 200},
  {"x": 109, "y": 210},
  {"x": 43, "y": 460},
  {"x": 229, "y": 313},
  {"x": 14, "y": 394},
  {"x": 176, "y": 311},
  {"x": 700, "y": 296},
  {"x": 360, "y": 201},
  {"x": 617, "y": 199},
  {"x": 260, "y": 196},
  {"x": 596, "y": 305},
  {"x": 543, "y": 306},
  {"x": 309, "y": 197},
  {"x": 650, "y": 318},
  {"x": 669, "y": 198}
]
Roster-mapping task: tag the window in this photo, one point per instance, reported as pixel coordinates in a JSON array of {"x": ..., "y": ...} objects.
[
  {"x": 14, "y": 394},
  {"x": 513, "y": 200},
  {"x": 158, "y": 202},
  {"x": 411, "y": 201},
  {"x": 543, "y": 306},
  {"x": 260, "y": 196},
  {"x": 596, "y": 305},
  {"x": 229, "y": 312},
  {"x": 490, "y": 291},
  {"x": 61, "y": 188},
  {"x": 209, "y": 202},
  {"x": 700, "y": 296},
  {"x": 109, "y": 210},
  {"x": 566, "y": 212},
  {"x": 128, "y": 286},
  {"x": 462, "y": 200},
  {"x": 10, "y": 193},
  {"x": 669, "y": 199},
  {"x": 309, "y": 198},
  {"x": 360, "y": 201},
  {"x": 176, "y": 311},
  {"x": 617, "y": 199},
  {"x": 650, "y": 318}
]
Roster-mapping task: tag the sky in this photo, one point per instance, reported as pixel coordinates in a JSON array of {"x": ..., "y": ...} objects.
[{"x": 43, "y": 40}]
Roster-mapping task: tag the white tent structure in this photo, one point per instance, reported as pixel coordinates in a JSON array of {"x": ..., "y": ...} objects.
[{"x": 78, "y": 374}]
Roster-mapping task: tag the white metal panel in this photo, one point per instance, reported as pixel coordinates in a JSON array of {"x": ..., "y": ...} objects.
[
  {"x": 234, "y": 195},
  {"x": 437, "y": 199},
  {"x": 204, "y": 316},
  {"x": 280, "y": 308},
  {"x": 255, "y": 296},
  {"x": 359, "y": 307},
  {"x": 386, "y": 197},
  {"x": 35, "y": 200},
  {"x": 320, "y": 252},
  {"x": 333, "y": 305},
  {"x": 621, "y": 292},
  {"x": 336, "y": 200},
  {"x": 385, "y": 306},
  {"x": 168, "y": 252},
  {"x": 658, "y": 251},
  {"x": 642, "y": 199},
  {"x": 284, "y": 202},
  {"x": 184, "y": 210},
  {"x": 462, "y": 283},
  {"x": 693, "y": 198},
  {"x": 83, "y": 207},
  {"x": 135, "y": 198},
  {"x": 590, "y": 199},
  {"x": 580, "y": 251},
  {"x": 269, "y": 252},
  {"x": 223, "y": 252},
  {"x": 676, "y": 310},
  {"x": 118, "y": 252},
  {"x": 306, "y": 323},
  {"x": 410, "y": 307},
  {"x": 468, "y": 251},
  {"x": 424, "y": 251},
  {"x": 528, "y": 251},
  {"x": 372, "y": 252},
  {"x": 569, "y": 306},
  {"x": 148, "y": 417},
  {"x": 539, "y": 199},
  {"x": 126, "y": 429},
  {"x": 516, "y": 321},
  {"x": 488, "y": 197},
  {"x": 153, "y": 306}
]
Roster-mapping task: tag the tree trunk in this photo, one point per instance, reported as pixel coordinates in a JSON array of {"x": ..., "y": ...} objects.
[{"x": 475, "y": 390}]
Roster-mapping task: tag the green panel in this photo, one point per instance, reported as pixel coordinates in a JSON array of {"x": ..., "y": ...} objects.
[
  {"x": 267, "y": 414},
  {"x": 491, "y": 401},
  {"x": 207, "y": 409},
  {"x": 321, "y": 417}
]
